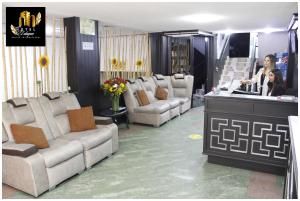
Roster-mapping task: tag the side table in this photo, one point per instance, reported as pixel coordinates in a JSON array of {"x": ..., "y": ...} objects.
[{"x": 115, "y": 115}]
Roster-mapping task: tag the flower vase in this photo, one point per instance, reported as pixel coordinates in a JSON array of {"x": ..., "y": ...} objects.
[{"x": 115, "y": 103}]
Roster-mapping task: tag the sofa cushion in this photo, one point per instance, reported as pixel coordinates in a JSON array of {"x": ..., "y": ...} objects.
[
  {"x": 57, "y": 107},
  {"x": 91, "y": 138},
  {"x": 29, "y": 135},
  {"x": 81, "y": 119},
  {"x": 60, "y": 151},
  {"x": 22, "y": 114},
  {"x": 180, "y": 92},
  {"x": 4, "y": 134},
  {"x": 179, "y": 83},
  {"x": 142, "y": 97},
  {"x": 153, "y": 108},
  {"x": 172, "y": 102},
  {"x": 178, "y": 76},
  {"x": 22, "y": 150},
  {"x": 159, "y": 77},
  {"x": 182, "y": 100},
  {"x": 161, "y": 93}
]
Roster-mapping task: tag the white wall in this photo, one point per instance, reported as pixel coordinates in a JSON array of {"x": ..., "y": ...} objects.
[{"x": 270, "y": 43}]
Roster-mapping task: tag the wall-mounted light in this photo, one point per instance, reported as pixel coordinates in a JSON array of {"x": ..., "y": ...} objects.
[{"x": 270, "y": 30}]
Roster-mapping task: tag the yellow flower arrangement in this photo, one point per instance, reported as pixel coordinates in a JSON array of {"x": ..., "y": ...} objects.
[
  {"x": 114, "y": 86},
  {"x": 44, "y": 61},
  {"x": 139, "y": 63}
]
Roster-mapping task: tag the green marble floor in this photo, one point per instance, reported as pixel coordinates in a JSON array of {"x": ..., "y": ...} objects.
[{"x": 165, "y": 162}]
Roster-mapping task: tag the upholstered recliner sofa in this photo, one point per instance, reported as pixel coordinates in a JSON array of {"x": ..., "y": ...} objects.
[
  {"x": 179, "y": 90},
  {"x": 68, "y": 153}
]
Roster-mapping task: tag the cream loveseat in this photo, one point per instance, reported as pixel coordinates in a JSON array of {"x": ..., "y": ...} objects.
[
  {"x": 36, "y": 170},
  {"x": 179, "y": 88}
]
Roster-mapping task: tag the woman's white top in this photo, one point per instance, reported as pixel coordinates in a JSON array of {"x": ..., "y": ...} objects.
[
  {"x": 256, "y": 79},
  {"x": 269, "y": 94}
]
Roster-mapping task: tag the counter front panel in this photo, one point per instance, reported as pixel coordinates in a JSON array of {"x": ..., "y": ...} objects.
[{"x": 247, "y": 133}]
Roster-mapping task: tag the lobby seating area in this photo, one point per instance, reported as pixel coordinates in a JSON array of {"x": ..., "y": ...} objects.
[
  {"x": 68, "y": 153},
  {"x": 178, "y": 101},
  {"x": 149, "y": 100}
]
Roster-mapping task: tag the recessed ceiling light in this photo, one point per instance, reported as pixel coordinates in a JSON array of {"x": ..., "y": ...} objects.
[
  {"x": 270, "y": 30},
  {"x": 202, "y": 18},
  {"x": 229, "y": 31}
]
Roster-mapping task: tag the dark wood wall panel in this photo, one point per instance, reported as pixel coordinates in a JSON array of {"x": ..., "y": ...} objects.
[{"x": 83, "y": 65}]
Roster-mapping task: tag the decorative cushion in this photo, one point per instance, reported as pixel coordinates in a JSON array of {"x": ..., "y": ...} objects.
[
  {"x": 52, "y": 95},
  {"x": 17, "y": 102},
  {"x": 29, "y": 135},
  {"x": 142, "y": 97},
  {"x": 179, "y": 76},
  {"x": 161, "y": 93},
  {"x": 81, "y": 119}
]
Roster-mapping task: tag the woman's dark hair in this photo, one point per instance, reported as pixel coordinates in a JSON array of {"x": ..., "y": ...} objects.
[
  {"x": 272, "y": 59},
  {"x": 278, "y": 80}
]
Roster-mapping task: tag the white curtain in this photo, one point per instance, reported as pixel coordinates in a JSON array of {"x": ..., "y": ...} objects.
[
  {"x": 21, "y": 69},
  {"x": 124, "y": 53}
]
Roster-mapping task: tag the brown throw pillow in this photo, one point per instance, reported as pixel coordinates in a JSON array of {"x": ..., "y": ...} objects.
[
  {"x": 142, "y": 97},
  {"x": 81, "y": 119},
  {"x": 161, "y": 93},
  {"x": 29, "y": 135}
]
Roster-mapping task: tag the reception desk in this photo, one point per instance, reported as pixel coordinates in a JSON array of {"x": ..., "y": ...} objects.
[{"x": 248, "y": 131}]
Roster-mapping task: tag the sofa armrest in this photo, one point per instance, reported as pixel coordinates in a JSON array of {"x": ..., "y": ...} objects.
[
  {"x": 22, "y": 150},
  {"x": 102, "y": 120},
  {"x": 26, "y": 174}
]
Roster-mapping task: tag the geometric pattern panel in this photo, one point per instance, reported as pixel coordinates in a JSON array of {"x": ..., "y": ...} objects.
[
  {"x": 229, "y": 135},
  {"x": 256, "y": 138},
  {"x": 270, "y": 140}
]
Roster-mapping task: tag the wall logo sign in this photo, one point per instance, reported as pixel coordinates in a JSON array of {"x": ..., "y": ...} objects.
[{"x": 25, "y": 26}]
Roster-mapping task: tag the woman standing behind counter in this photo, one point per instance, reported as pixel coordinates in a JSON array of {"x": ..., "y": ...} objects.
[{"x": 262, "y": 76}]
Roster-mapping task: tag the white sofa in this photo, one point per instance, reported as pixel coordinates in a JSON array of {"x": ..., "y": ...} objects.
[
  {"x": 159, "y": 111},
  {"x": 68, "y": 153}
]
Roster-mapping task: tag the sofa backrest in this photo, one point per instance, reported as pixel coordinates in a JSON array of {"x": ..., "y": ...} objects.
[
  {"x": 26, "y": 112},
  {"x": 129, "y": 96},
  {"x": 164, "y": 82},
  {"x": 149, "y": 86},
  {"x": 182, "y": 87},
  {"x": 4, "y": 134},
  {"x": 70, "y": 101},
  {"x": 55, "y": 111}
]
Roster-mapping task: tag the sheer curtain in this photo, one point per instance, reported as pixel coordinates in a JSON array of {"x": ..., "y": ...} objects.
[
  {"x": 124, "y": 53},
  {"x": 22, "y": 74}
]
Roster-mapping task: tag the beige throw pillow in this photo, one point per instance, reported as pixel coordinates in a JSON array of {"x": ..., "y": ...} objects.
[
  {"x": 161, "y": 93},
  {"x": 142, "y": 97}
]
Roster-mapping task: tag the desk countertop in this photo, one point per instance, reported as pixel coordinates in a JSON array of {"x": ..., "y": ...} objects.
[{"x": 253, "y": 97}]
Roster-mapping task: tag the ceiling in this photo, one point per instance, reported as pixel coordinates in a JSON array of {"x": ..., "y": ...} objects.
[{"x": 166, "y": 16}]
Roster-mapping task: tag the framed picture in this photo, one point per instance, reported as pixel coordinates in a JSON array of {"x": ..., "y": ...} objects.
[{"x": 87, "y": 27}]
